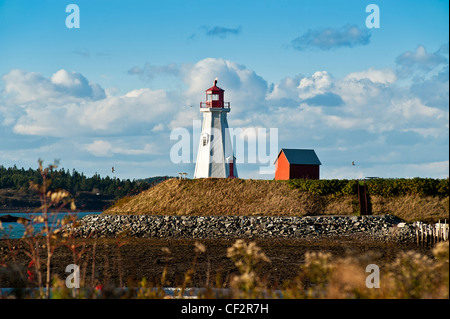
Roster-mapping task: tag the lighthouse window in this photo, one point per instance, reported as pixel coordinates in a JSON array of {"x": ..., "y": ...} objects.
[
  {"x": 205, "y": 140},
  {"x": 215, "y": 97},
  {"x": 208, "y": 97}
]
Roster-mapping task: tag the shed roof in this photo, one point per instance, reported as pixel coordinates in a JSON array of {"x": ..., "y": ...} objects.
[{"x": 300, "y": 156}]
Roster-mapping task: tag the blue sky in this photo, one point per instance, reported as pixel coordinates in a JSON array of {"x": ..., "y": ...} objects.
[{"x": 110, "y": 92}]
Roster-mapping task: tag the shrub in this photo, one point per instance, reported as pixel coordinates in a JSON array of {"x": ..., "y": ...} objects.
[{"x": 381, "y": 186}]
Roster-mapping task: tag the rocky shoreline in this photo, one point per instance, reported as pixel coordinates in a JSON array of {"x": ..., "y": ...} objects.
[{"x": 379, "y": 227}]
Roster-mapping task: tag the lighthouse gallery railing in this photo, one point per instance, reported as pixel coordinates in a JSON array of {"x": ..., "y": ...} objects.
[{"x": 203, "y": 105}]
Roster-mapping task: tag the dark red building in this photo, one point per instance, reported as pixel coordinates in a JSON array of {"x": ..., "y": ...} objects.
[{"x": 296, "y": 163}]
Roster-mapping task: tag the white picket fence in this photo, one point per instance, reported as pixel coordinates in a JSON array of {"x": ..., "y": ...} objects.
[{"x": 429, "y": 234}]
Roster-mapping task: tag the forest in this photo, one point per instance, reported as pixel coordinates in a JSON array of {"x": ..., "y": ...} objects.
[{"x": 90, "y": 192}]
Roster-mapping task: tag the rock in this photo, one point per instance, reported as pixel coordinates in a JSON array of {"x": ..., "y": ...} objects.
[{"x": 241, "y": 226}]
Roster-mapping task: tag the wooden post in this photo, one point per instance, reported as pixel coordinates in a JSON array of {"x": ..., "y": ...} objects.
[
  {"x": 430, "y": 235},
  {"x": 417, "y": 234},
  {"x": 365, "y": 199},
  {"x": 445, "y": 235},
  {"x": 359, "y": 199},
  {"x": 439, "y": 231},
  {"x": 422, "y": 235},
  {"x": 433, "y": 230},
  {"x": 425, "y": 235}
]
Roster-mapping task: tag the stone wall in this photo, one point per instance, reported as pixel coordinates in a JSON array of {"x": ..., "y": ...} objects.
[{"x": 383, "y": 227}]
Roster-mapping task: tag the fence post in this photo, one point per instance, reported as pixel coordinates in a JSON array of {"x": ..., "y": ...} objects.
[
  {"x": 445, "y": 235},
  {"x": 433, "y": 228},
  {"x": 430, "y": 230},
  {"x": 417, "y": 233},
  {"x": 426, "y": 235},
  {"x": 422, "y": 235},
  {"x": 439, "y": 231}
]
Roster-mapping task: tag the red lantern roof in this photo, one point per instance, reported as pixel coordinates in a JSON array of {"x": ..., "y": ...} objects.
[{"x": 215, "y": 88}]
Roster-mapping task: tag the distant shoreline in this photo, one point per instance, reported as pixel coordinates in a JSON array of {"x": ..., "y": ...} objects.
[{"x": 30, "y": 211}]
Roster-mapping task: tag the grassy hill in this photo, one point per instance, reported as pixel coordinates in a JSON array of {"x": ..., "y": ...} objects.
[{"x": 270, "y": 198}]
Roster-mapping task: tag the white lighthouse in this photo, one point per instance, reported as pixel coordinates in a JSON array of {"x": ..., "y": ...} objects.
[{"x": 215, "y": 156}]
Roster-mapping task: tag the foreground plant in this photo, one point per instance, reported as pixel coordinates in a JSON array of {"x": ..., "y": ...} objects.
[
  {"x": 409, "y": 276},
  {"x": 56, "y": 200},
  {"x": 248, "y": 258}
]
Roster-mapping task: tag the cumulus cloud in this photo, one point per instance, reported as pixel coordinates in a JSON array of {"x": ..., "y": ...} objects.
[
  {"x": 23, "y": 87},
  {"x": 319, "y": 83},
  {"x": 66, "y": 103},
  {"x": 285, "y": 92},
  {"x": 325, "y": 99},
  {"x": 330, "y": 38},
  {"x": 115, "y": 114},
  {"x": 389, "y": 106},
  {"x": 410, "y": 62},
  {"x": 384, "y": 76},
  {"x": 433, "y": 91},
  {"x": 317, "y": 90},
  {"x": 369, "y": 100}
]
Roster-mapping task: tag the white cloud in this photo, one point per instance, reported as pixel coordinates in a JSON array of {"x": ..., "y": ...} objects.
[
  {"x": 420, "y": 60},
  {"x": 158, "y": 127},
  {"x": 24, "y": 87},
  {"x": 285, "y": 90},
  {"x": 376, "y": 76},
  {"x": 68, "y": 104},
  {"x": 319, "y": 83},
  {"x": 101, "y": 148},
  {"x": 368, "y": 100},
  {"x": 115, "y": 114}
]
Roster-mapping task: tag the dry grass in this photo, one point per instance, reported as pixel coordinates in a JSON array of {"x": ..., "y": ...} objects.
[
  {"x": 229, "y": 197},
  {"x": 214, "y": 196},
  {"x": 410, "y": 276},
  {"x": 412, "y": 207}
]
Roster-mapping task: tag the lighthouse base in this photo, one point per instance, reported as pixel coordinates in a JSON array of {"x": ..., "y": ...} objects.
[{"x": 215, "y": 154}]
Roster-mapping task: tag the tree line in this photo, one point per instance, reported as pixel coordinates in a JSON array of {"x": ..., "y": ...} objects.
[{"x": 74, "y": 182}]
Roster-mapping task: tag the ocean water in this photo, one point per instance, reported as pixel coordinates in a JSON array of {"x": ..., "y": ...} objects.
[{"x": 16, "y": 230}]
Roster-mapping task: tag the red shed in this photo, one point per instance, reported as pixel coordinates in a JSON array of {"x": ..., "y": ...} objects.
[{"x": 296, "y": 163}]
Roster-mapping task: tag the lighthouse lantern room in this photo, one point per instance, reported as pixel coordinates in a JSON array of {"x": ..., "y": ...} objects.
[{"x": 215, "y": 156}]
